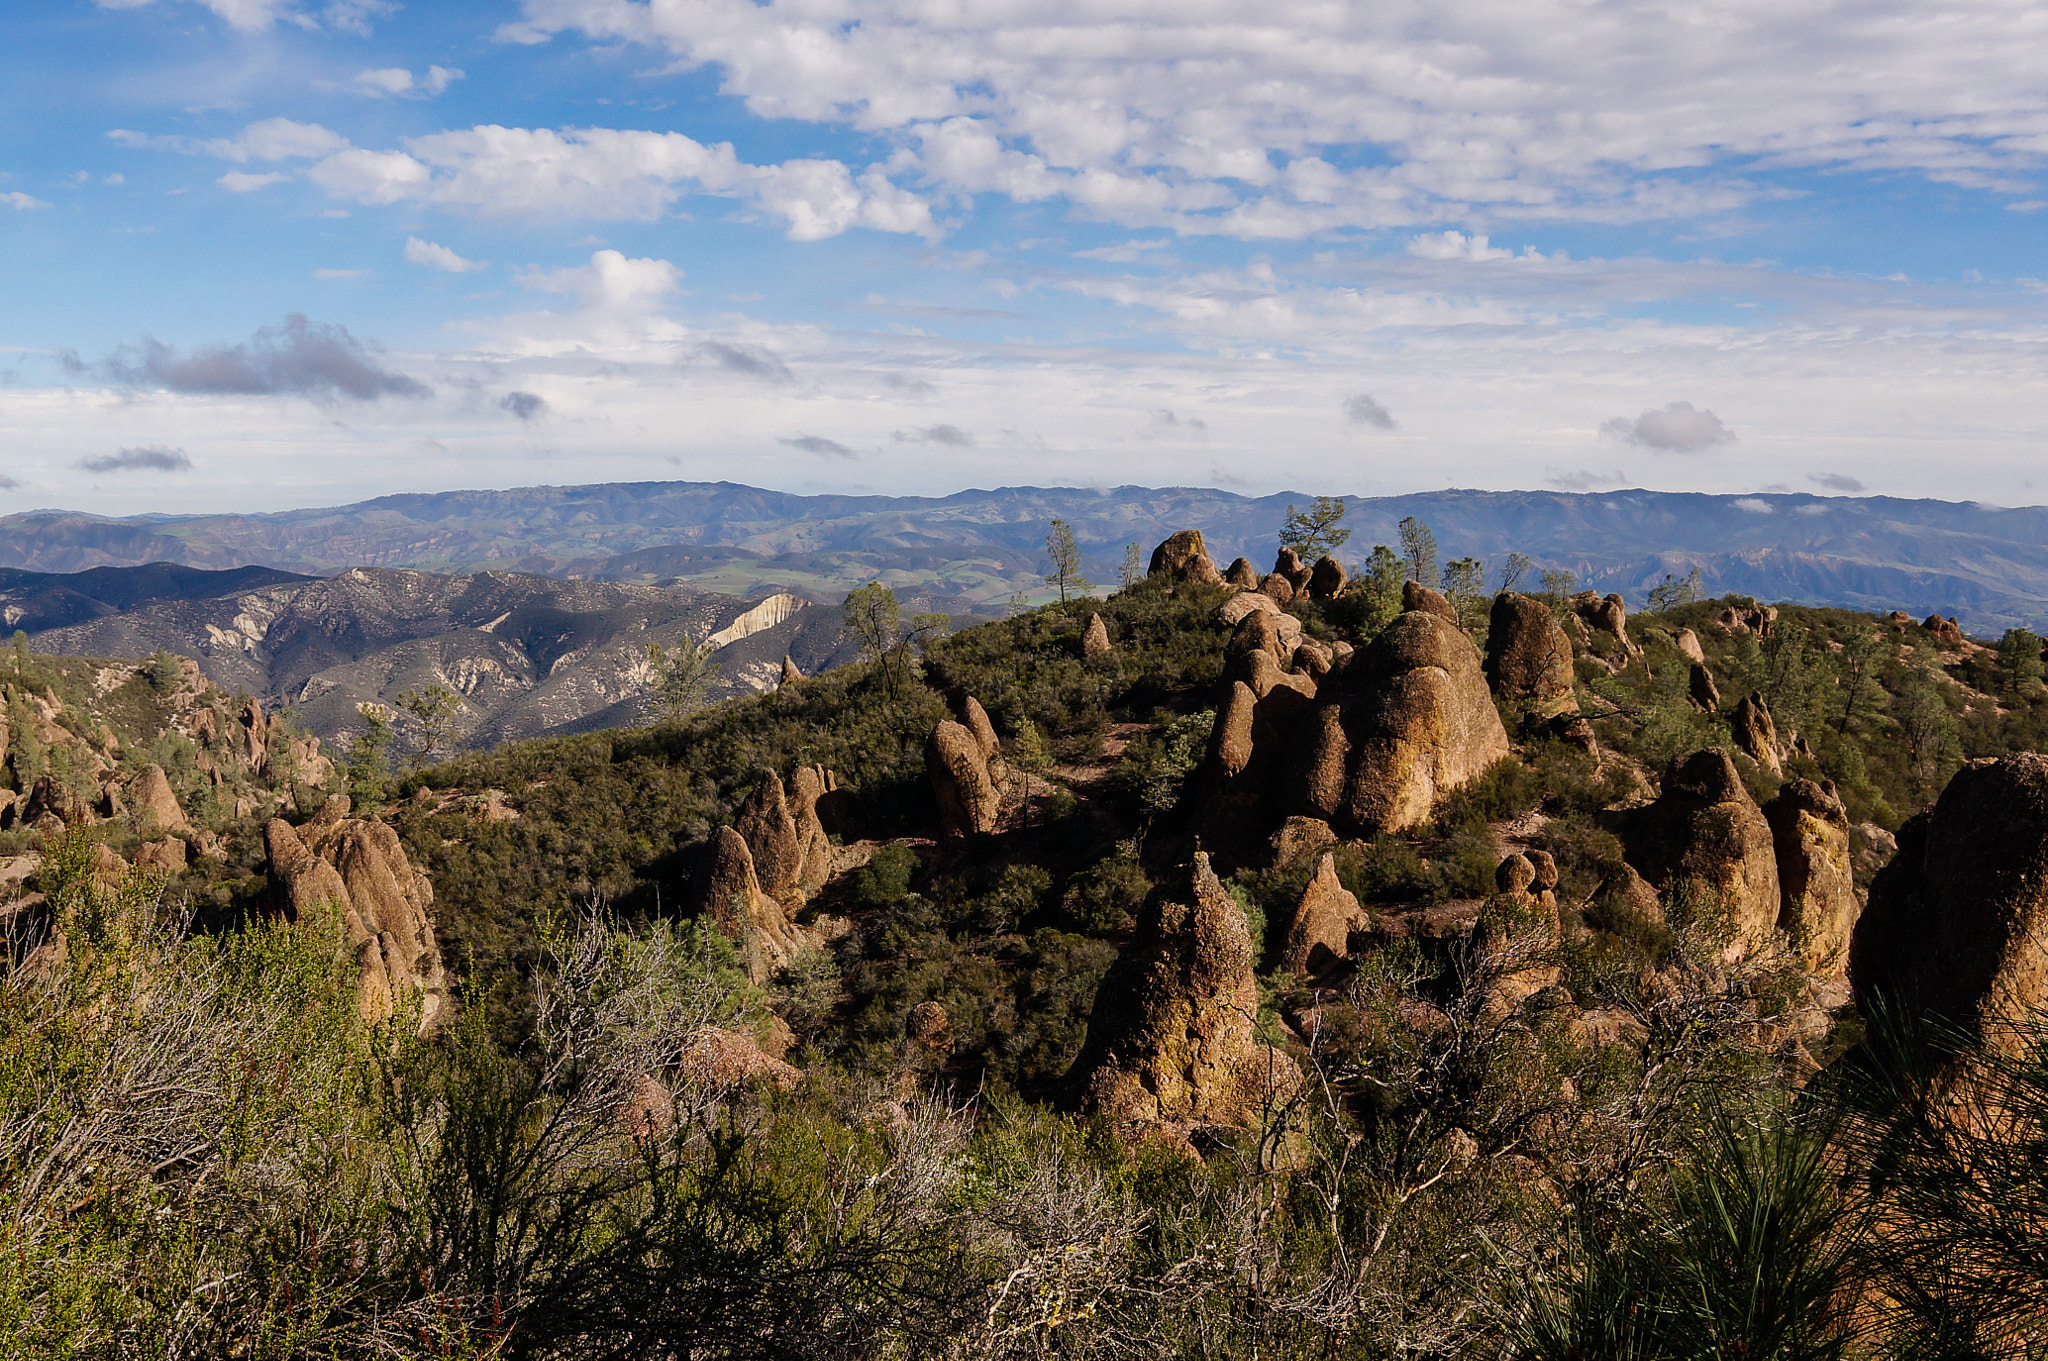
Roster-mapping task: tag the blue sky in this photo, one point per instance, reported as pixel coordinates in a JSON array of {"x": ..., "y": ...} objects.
[{"x": 257, "y": 254}]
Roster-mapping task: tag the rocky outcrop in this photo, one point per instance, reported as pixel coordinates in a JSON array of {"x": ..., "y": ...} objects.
[
  {"x": 1688, "y": 644},
  {"x": 255, "y": 736},
  {"x": 1416, "y": 596},
  {"x": 730, "y": 892},
  {"x": 1279, "y": 588},
  {"x": 1095, "y": 638},
  {"x": 790, "y": 674},
  {"x": 356, "y": 868},
  {"x": 1327, "y": 579},
  {"x": 1184, "y": 558},
  {"x": 1242, "y": 575},
  {"x": 1957, "y": 924},
  {"x": 1320, "y": 933},
  {"x": 1515, "y": 942},
  {"x": 1405, "y": 721},
  {"x": 1816, "y": 875},
  {"x": 969, "y": 801},
  {"x": 1750, "y": 618},
  {"x": 1172, "y": 1039},
  {"x": 1289, "y": 567},
  {"x": 1609, "y": 613},
  {"x": 807, "y": 790},
  {"x": 154, "y": 805},
  {"x": 1704, "y": 831},
  {"x": 715, "y": 1062},
  {"x": 1701, "y": 690},
  {"x": 1946, "y": 631},
  {"x": 1755, "y": 733},
  {"x": 163, "y": 857},
  {"x": 770, "y": 831},
  {"x": 1528, "y": 657}
]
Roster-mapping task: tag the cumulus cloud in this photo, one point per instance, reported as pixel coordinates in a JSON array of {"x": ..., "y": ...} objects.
[
  {"x": 303, "y": 358},
  {"x": 1455, "y": 246},
  {"x": 526, "y": 406},
  {"x": 819, "y": 445},
  {"x": 748, "y": 359},
  {"x": 1584, "y": 479},
  {"x": 433, "y": 256},
  {"x": 1678, "y": 428},
  {"x": 610, "y": 282},
  {"x": 1841, "y": 482},
  {"x": 158, "y": 458},
  {"x": 951, "y": 435},
  {"x": 1361, "y": 409},
  {"x": 396, "y": 80},
  {"x": 271, "y": 139},
  {"x": 1753, "y": 505},
  {"x": 21, "y": 202}
]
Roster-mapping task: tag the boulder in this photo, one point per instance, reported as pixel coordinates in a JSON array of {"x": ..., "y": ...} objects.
[
  {"x": 1416, "y": 596},
  {"x": 1320, "y": 933},
  {"x": 715, "y": 1062},
  {"x": 49, "y": 797},
  {"x": 968, "y": 799},
  {"x": 1515, "y": 941},
  {"x": 1172, "y": 1039},
  {"x": 790, "y": 674},
  {"x": 255, "y": 735},
  {"x": 1957, "y": 923},
  {"x": 1288, "y": 564},
  {"x": 1311, "y": 659},
  {"x": 1607, "y": 612},
  {"x": 1898, "y": 621},
  {"x": 1946, "y": 631},
  {"x": 1418, "y": 723},
  {"x": 1242, "y": 575},
  {"x": 1298, "y": 837},
  {"x": 164, "y": 857},
  {"x": 154, "y": 804},
  {"x": 1871, "y": 848},
  {"x": 975, "y": 719},
  {"x": 1688, "y": 644},
  {"x": 1816, "y": 876},
  {"x": 770, "y": 831},
  {"x": 1184, "y": 558},
  {"x": 1701, "y": 690},
  {"x": 1257, "y": 632},
  {"x": 1705, "y": 831},
  {"x": 807, "y": 789},
  {"x": 1095, "y": 638},
  {"x": 1234, "y": 610},
  {"x": 1528, "y": 656},
  {"x": 1327, "y": 579},
  {"x": 1279, "y": 587},
  {"x": 730, "y": 892},
  {"x": 1755, "y": 734}
]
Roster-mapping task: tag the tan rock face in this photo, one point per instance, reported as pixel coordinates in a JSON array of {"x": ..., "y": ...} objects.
[
  {"x": 1327, "y": 578},
  {"x": 357, "y": 868},
  {"x": 1701, "y": 690},
  {"x": 1528, "y": 656},
  {"x": 976, "y": 720},
  {"x": 1279, "y": 587},
  {"x": 1420, "y": 722},
  {"x": 1288, "y": 565},
  {"x": 730, "y": 892},
  {"x": 1234, "y": 610},
  {"x": 165, "y": 857},
  {"x": 1095, "y": 638},
  {"x": 1946, "y": 631},
  {"x": 814, "y": 845},
  {"x": 1242, "y": 575},
  {"x": 1416, "y": 596},
  {"x": 1688, "y": 644},
  {"x": 1816, "y": 875},
  {"x": 770, "y": 831},
  {"x": 969, "y": 801},
  {"x": 790, "y": 674},
  {"x": 1755, "y": 733},
  {"x": 1184, "y": 557},
  {"x": 1171, "y": 1039},
  {"x": 1607, "y": 612},
  {"x": 154, "y": 803},
  {"x": 1957, "y": 925},
  {"x": 1320, "y": 933},
  {"x": 1705, "y": 828}
]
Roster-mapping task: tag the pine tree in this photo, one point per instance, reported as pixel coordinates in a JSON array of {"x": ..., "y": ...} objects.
[
  {"x": 1065, "y": 555},
  {"x": 1418, "y": 550},
  {"x": 1315, "y": 532}
]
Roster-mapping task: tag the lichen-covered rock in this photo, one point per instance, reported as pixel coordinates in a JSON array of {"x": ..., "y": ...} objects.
[
  {"x": 814, "y": 844},
  {"x": 730, "y": 893},
  {"x": 1816, "y": 877},
  {"x": 1688, "y": 644},
  {"x": 1172, "y": 1036},
  {"x": 1419, "y": 723},
  {"x": 1095, "y": 638},
  {"x": 1701, "y": 690},
  {"x": 1279, "y": 587},
  {"x": 1184, "y": 557},
  {"x": 1242, "y": 575},
  {"x": 1288, "y": 564},
  {"x": 154, "y": 805},
  {"x": 1416, "y": 596},
  {"x": 1528, "y": 656},
  {"x": 1234, "y": 610},
  {"x": 1704, "y": 830},
  {"x": 1320, "y": 933},
  {"x": 969, "y": 802},
  {"x": 1957, "y": 924},
  {"x": 975, "y": 719},
  {"x": 770, "y": 831},
  {"x": 1755, "y": 734},
  {"x": 1327, "y": 579}
]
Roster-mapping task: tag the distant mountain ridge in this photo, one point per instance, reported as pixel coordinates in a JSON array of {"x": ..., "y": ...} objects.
[{"x": 1986, "y": 565}]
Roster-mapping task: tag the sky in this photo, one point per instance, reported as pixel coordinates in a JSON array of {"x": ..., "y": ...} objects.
[{"x": 262, "y": 254}]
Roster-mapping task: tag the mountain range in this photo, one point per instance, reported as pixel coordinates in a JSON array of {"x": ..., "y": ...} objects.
[{"x": 974, "y": 550}]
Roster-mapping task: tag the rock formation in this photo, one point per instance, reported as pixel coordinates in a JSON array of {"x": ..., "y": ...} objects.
[
  {"x": 1279, "y": 588},
  {"x": 165, "y": 857},
  {"x": 975, "y": 719},
  {"x": 1320, "y": 933},
  {"x": 1755, "y": 733},
  {"x": 1946, "y": 631},
  {"x": 765, "y": 823},
  {"x": 969, "y": 801},
  {"x": 1688, "y": 644},
  {"x": 1095, "y": 638},
  {"x": 1327, "y": 578},
  {"x": 1416, "y": 596},
  {"x": 1957, "y": 924},
  {"x": 1816, "y": 876},
  {"x": 1517, "y": 936},
  {"x": 255, "y": 737},
  {"x": 1289, "y": 566},
  {"x": 1242, "y": 575},
  {"x": 808, "y": 787},
  {"x": 1701, "y": 690},
  {"x": 1406, "y": 720},
  {"x": 154, "y": 804},
  {"x": 356, "y": 868},
  {"x": 1705, "y": 830},
  {"x": 1750, "y": 618},
  {"x": 1183, "y": 557},
  {"x": 1172, "y": 1039},
  {"x": 790, "y": 674},
  {"x": 730, "y": 892},
  {"x": 1528, "y": 657},
  {"x": 1607, "y": 612}
]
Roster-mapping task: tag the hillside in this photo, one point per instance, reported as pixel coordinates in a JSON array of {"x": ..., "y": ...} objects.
[
  {"x": 1985, "y": 565},
  {"x": 1212, "y": 968}
]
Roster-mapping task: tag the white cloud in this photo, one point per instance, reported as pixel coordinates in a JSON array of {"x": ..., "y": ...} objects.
[
  {"x": 242, "y": 182},
  {"x": 1239, "y": 116},
  {"x": 433, "y": 256},
  {"x": 253, "y": 16},
  {"x": 610, "y": 282},
  {"x": 272, "y": 139},
  {"x": 387, "y": 81},
  {"x": 1754, "y": 505},
  {"x": 341, "y": 273},
  {"x": 21, "y": 202},
  {"x": 1361, "y": 409},
  {"x": 1455, "y": 246},
  {"x": 1677, "y": 428}
]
